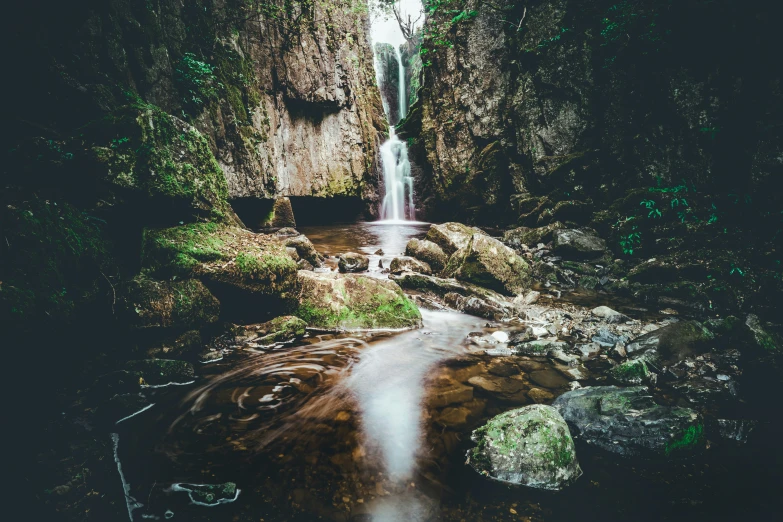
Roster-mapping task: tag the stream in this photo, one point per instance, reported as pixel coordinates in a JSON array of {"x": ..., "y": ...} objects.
[{"x": 375, "y": 427}]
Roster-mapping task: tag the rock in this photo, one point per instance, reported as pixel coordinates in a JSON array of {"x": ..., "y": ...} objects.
[
  {"x": 282, "y": 214},
  {"x": 521, "y": 336},
  {"x": 530, "y": 446},
  {"x": 474, "y": 306},
  {"x": 528, "y": 298},
  {"x": 572, "y": 374},
  {"x": 548, "y": 378},
  {"x": 160, "y": 372},
  {"x": 441, "y": 287},
  {"x": 607, "y": 338},
  {"x": 119, "y": 408},
  {"x": 734, "y": 430},
  {"x": 209, "y": 494},
  {"x": 304, "y": 248},
  {"x": 503, "y": 367},
  {"x": 539, "y": 395},
  {"x": 487, "y": 262},
  {"x": 286, "y": 232},
  {"x": 452, "y": 417},
  {"x": 577, "y": 244},
  {"x": 628, "y": 422},
  {"x": 539, "y": 347},
  {"x": 409, "y": 264},
  {"x": 379, "y": 252},
  {"x": 502, "y": 387},
  {"x": 146, "y": 303},
  {"x": 588, "y": 350},
  {"x": 530, "y": 236},
  {"x": 631, "y": 372},
  {"x": 766, "y": 341},
  {"x": 353, "y": 262},
  {"x": 452, "y": 393},
  {"x": 304, "y": 264},
  {"x": 427, "y": 251},
  {"x": 210, "y": 356},
  {"x": 501, "y": 337},
  {"x": 340, "y": 302},
  {"x": 609, "y": 315},
  {"x": 279, "y": 330},
  {"x": 450, "y": 237},
  {"x": 671, "y": 343},
  {"x": 222, "y": 255}
]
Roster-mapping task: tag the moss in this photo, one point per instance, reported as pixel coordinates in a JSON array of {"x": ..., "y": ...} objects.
[
  {"x": 691, "y": 437},
  {"x": 146, "y": 303},
  {"x": 631, "y": 372},
  {"x": 55, "y": 259}
]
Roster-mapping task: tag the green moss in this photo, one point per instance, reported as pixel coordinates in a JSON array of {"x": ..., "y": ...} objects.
[
  {"x": 631, "y": 372},
  {"x": 688, "y": 439}
]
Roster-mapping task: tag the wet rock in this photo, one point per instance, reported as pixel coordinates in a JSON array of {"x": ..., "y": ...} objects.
[
  {"x": 441, "y": 287},
  {"x": 548, "y": 378},
  {"x": 577, "y": 244},
  {"x": 146, "y": 303},
  {"x": 304, "y": 264},
  {"x": 628, "y": 422},
  {"x": 531, "y": 237},
  {"x": 209, "y": 494},
  {"x": 564, "y": 358},
  {"x": 530, "y": 446},
  {"x": 451, "y": 393},
  {"x": 485, "y": 261},
  {"x": 607, "y": 338},
  {"x": 671, "y": 343},
  {"x": 540, "y": 347},
  {"x": 210, "y": 356},
  {"x": 428, "y": 252},
  {"x": 159, "y": 372},
  {"x": 765, "y": 340},
  {"x": 279, "y": 330},
  {"x": 503, "y": 388},
  {"x": 352, "y": 262},
  {"x": 633, "y": 371},
  {"x": 530, "y": 366},
  {"x": 474, "y": 306},
  {"x": 528, "y": 298},
  {"x": 353, "y": 302},
  {"x": 609, "y": 315},
  {"x": 450, "y": 237},
  {"x": 304, "y": 249},
  {"x": 521, "y": 336},
  {"x": 409, "y": 264},
  {"x": 588, "y": 350},
  {"x": 572, "y": 374},
  {"x": 503, "y": 367},
  {"x": 453, "y": 417},
  {"x": 539, "y": 395}
]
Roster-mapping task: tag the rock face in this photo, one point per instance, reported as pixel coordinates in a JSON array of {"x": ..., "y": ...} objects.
[
  {"x": 450, "y": 237},
  {"x": 530, "y": 446},
  {"x": 577, "y": 244},
  {"x": 487, "y": 262},
  {"x": 354, "y": 302},
  {"x": 427, "y": 251},
  {"x": 353, "y": 262},
  {"x": 628, "y": 422},
  {"x": 248, "y": 90}
]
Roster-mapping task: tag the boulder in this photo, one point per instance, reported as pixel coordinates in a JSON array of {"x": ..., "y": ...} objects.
[
  {"x": 577, "y": 244},
  {"x": 474, "y": 306},
  {"x": 530, "y": 446},
  {"x": 628, "y": 422},
  {"x": 632, "y": 371},
  {"x": 531, "y": 237},
  {"x": 282, "y": 214},
  {"x": 222, "y": 255},
  {"x": 428, "y": 252},
  {"x": 487, "y": 262},
  {"x": 442, "y": 287},
  {"x": 146, "y": 303},
  {"x": 409, "y": 264},
  {"x": 304, "y": 248},
  {"x": 353, "y": 262},
  {"x": 339, "y": 302},
  {"x": 450, "y": 237},
  {"x": 279, "y": 330},
  {"x": 672, "y": 343},
  {"x": 609, "y": 315}
]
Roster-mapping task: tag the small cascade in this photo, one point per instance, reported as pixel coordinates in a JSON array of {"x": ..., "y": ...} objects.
[
  {"x": 398, "y": 201},
  {"x": 401, "y": 88}
]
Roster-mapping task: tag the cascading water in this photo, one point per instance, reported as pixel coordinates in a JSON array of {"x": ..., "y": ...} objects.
[{"x": 397, "y": 180}]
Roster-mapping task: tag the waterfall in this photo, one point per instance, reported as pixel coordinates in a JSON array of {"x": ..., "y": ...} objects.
[
  {"x": 397, "y": 180},
  {"x": 401, "y": 89}
]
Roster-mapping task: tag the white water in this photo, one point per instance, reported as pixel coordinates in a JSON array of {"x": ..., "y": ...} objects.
[
  {"x": 402, "y": 90},
  {"x": 397, "y": 180}
]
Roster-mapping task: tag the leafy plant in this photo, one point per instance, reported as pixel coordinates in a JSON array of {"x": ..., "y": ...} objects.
[{"x": 197, "y": 81}]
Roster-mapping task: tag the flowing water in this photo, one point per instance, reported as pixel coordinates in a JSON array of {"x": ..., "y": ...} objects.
[{"x": 375, "y": 427}]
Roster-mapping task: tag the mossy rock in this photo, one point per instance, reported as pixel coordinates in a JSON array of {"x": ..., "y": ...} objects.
[
  {"x": 487, "y": 262},
  {"x": 450, "y": 237},
  {"x": 531, "y": 237},
  {"x": 279, "y": 330},
  {"x": 633, "y": 371},
  {"x": 145, "y": 155},
  {"x": 428, "y": 252},
  {"x": 221, "y": 254},
  {"x": 55, "y": 260},
  {"x": 148, "y": 303},
  {"x": 530, "y": 446},
  {"x": 340, "y": 302},
  {"x": 159, "y": 372}
]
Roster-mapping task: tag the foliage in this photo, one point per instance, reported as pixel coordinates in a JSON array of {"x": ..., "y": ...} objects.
[{"x": 197, "y": 81}]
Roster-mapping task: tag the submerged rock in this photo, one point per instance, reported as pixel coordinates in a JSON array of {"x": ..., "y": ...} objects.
[
  {"x": 409, "y": 264},
  {"x": 354, "y": 302},
  {"x": 352, "y": 262},
  {"x": 450, "y": 237},
  {"x": 160, "y": 372},
  {"x": 487, "y": 262},
  {"x": 530, "y": 446},
  {"x": 628, "y": 422},
  {"x": 577, "y": 244},
  {"x": 427, "y": 251}
]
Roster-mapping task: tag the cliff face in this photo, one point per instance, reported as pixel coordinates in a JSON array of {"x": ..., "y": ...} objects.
[
  {"x": 577, "y": 101},
  {"x": 284, "y": 92}
]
